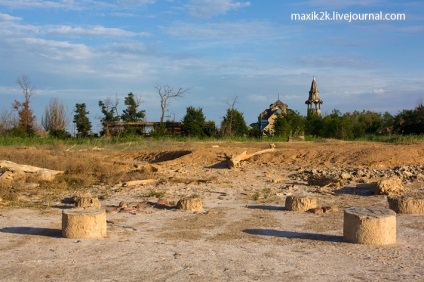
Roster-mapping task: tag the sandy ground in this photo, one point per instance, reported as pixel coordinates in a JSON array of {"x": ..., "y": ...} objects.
[{"x": 243, "y": 234}]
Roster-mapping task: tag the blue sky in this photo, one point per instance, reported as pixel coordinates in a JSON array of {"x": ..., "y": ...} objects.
[{"x": 83, "y": 51}]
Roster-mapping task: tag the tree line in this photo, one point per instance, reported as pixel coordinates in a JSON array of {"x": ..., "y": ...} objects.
[{"x": 21, "y": 121}]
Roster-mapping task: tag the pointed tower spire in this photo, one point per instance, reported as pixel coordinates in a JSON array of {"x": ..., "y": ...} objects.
[{"x": 314, "y": 101}]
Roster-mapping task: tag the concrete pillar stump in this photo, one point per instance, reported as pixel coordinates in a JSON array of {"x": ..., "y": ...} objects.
[
  {"x": 371, "y": 226},
  {"x": 84, "y": 223},
  {"x": 407, "y": 205},
  {"x": 300, "y": 203}
]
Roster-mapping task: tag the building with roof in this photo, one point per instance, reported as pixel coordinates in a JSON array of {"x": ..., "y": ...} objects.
[{"x": 267, "y": 117}]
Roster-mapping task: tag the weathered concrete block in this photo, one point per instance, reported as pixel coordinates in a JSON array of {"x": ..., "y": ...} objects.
[
  {"x": 84, "y": 202},
  {"x": 81, "y": 223},
  {"x": 300, "y": 203},
  {"x": 407, "y": 205},
  {"x": 391, "y": 186},
  {"x": 194, "y": 204},
  {"x": 371, "y": 226}
]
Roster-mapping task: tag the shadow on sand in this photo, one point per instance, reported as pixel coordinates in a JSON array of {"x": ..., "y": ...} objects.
[
  {"x": 221, "y": 165},
  {"x": 268, "y": 208},
  {"x": 294, "y": 235},
  {"x": 48, "y": 232},
  {"x": 360, "y": 190}
]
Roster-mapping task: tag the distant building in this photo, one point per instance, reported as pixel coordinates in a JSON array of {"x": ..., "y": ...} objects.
[
  {"x": 267, "y": 117},
  {"x": 314, "y": 101}
]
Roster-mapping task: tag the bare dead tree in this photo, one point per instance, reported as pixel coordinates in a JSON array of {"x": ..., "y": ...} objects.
[
  {"x": 55, "y": 116},
  {"x": 166, "y": 94},
  {"x": 8, "y": 120},
  {"x": 227, "y": 123},
  {"x": 26, "y": 117}
]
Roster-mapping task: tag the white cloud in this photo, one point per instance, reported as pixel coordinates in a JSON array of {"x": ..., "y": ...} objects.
[
  {"x": 337, "y": 4},
  {"x": 13, "y": 28},
  {"x": 69, "y": 4},
  {"x": 8, "y": 18},
  {"x": 210, "y": 8},
  {"x": 93, "y": 30},
  {"x": 131, "y": 3},
  {"x": 258, "y": 98},
  {"x": 230, "y": 31},
  {"x": 349, "y": 61},
  {"x": 75, "y": 4},
  {"x": 56, "y": 50},
  {"x": 378, "y": 91}
]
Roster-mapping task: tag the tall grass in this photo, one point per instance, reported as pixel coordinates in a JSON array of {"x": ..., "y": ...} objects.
[{"x": 102, "y": 142}]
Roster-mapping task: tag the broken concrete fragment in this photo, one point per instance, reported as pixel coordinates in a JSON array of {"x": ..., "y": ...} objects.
[
  {"x": 194, "y": 204},
  {"x": 138, "y": 182},
  {"x": 300, "y": 203},
  {"x": 392, "y": 186},
  {"x": 41, "y": 174}
]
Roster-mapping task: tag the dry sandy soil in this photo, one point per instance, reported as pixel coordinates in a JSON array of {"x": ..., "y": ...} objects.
[{"x": 243, "y": 234}]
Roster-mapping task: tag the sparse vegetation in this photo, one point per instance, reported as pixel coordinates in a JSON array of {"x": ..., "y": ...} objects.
[
  {"x": 194, "y": 196},
  {"x": 156, "y": 194}
]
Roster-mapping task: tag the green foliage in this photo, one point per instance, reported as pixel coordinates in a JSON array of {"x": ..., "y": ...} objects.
[
  {"x": 314, "y": 124},
  {"x": 365, "y": 122},
  {"x": 194, "y": 124},
  {"x": 19, "y": 132},
  {"x": 337, "y": 126},
  {"x": 132, "y": 114},
  {"x": 193, "y": 196},
  {"x": 109, "y": 112},
  {"x": 210, "y": 129},
  {"x": 159, "y": 131},
  {"x": 346, "y": 126},
  {"x": 289, "y": 124},
  {"x": 59, "y": 134},
  {"x": 82, "y": 121},
  {"x": 233, "y": 124},
  {"x": 410, "y": 121},
  {"x": 157, "y": 194},
  {"x": 281, "y": 127},
  {"x": 254, "y": 132}
]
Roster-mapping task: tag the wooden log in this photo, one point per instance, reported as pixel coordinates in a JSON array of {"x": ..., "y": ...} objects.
[
  {"x": 82, "y": 223},
  {"x": 235, "y": 161},
  {"x": 300, "y": 203},
  {"x": 371, "y": 226},
  {"x": 407, "y": 205}
]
